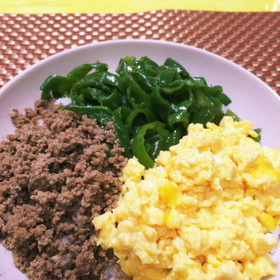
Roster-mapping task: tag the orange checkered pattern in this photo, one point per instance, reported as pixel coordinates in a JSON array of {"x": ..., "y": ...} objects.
[{"x": 251, "y": 40}]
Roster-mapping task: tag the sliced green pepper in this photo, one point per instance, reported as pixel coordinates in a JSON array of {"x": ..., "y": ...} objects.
[
  {"x": 100, "y": 113},
  {"x": 148, "y": 141},
  {"x": 149, "y": 103},
  {"x": 135, "y": 94},
  {"x": 122, "y": 112},
  {"x": 180, "y": 118},
  {"x": 137, "y": 118},
  {"x": 174, "y": 137},
  {"x": 160, "y": 105},
  {"x": 56, "y": 87},
  {"x": 82, "y": 70},
  {"x": 180, "y": 69}
]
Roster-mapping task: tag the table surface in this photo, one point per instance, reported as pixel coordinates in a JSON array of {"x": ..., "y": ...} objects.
[
  {"x": 128, "y": 6},
  {"x": 250, "y": 39}
]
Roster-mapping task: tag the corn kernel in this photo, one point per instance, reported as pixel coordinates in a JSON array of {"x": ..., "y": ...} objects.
[
  {"x": 170, "y": 194},
  {"x": 267, "y": 221},
  {"x": 172, "y": 219},
  {"x": 211, "y": 259},
  {"x": 264, "y": 167}
]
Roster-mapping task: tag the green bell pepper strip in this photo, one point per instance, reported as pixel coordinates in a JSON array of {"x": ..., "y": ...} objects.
[
  {"x": 148, "y": 141},
  {"x": 87, "y": 95},
  {"x": 231, "y": 114},
  {"x": 224, "y": 99},
  {"x": 174, "y": 137},
  {"x": 201, "y": 100},
  {"x": 149, "y": 66},
  {"x": 258, "y": 138},
  {"x": 122, "y": 112},
  {"x": 137, "y": 118},
  {"x": 180, "y": 118},
  {"x": 79, "y": 98},
  {"x": 112, "y": 101},
  {"x": 153, "y": 145},
  {"x": 144, "y": 65},
  {"x": 202, "y": 116},
  {"x": 159, "y": 105},
  {"x": 175, "y": 91},
  {"x": 124, "y": 65},
  {"x": 168, "y": 75},
  {"x": 101, "y": 80},
  {"x": 135, "y": 94},
  {"x": 122, "y": 134},
  {"x": 214, "y": 91},
  {"x": 141, "y": 80},
  {"x": 217, "y": 109},
  {"x": 82, "y": 70},
  {"x": 180, "y": 69},
  {"x": 200, "y": 81},
  {"x": 56, "y": 87},
  {"x": 182, "y": 106}
]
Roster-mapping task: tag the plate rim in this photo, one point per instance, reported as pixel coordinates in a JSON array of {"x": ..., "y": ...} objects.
[{"x": 74, "y": 49}]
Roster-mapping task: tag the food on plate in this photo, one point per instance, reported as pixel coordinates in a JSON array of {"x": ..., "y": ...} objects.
[
  {"x": 58, "y": 171},
  {"x": 185, "y": 219},
  {"x": 205, "y": 210},
  {"x": 151, "y": 105}
]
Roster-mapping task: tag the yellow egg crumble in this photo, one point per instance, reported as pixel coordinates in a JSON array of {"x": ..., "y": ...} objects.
[{"x": 206, "y": 210}]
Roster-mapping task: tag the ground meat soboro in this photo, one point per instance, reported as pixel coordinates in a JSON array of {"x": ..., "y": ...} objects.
[{"x": 56, "y": 174}]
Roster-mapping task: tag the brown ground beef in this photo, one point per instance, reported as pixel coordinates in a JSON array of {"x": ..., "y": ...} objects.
[{"x": 56, "y": 174}]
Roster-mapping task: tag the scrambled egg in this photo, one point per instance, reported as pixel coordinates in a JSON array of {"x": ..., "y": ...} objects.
[{"x": 206, "y": 210}]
